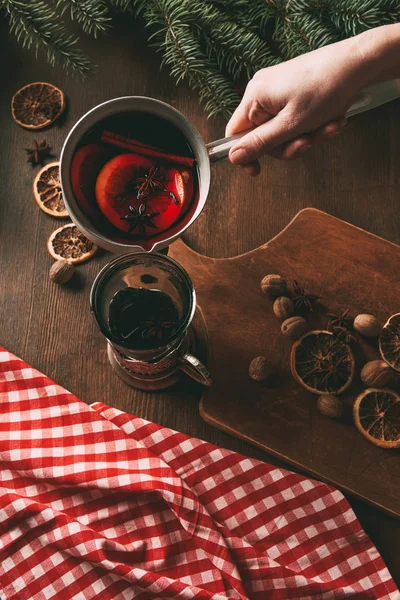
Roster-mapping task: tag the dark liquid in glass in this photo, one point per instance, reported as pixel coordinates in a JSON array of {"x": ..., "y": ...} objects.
[
  {"x": 142, "y": 318},
  {"x": 96, "y": 149}
]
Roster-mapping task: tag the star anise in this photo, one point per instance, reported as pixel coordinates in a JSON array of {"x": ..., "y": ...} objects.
[
  {"x": 154, "y": 327},
  {"x": 303, "y": 300},
  {"x": 343, "y": 334},
  {"x": 339, "y": 320},
  {"x": 150, "y": 183},
  {"x": 140, "y": 219},
  {"x": 340, "y": 326},
  {"x": 38, "y": 152}
]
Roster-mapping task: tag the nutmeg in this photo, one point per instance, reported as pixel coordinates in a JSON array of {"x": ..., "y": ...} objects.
[
  {"x": 294, "y": 327},
  {"x": 283, "y": 307},
  {"x": 367, "y": 325},
  {"x": 61, "y": 271},
  {"x": 273, "y": 285},
  {"x": 260, "y": 369},
  {"x": 376, "y": 373},
  {"x": 330, "y": 406}
]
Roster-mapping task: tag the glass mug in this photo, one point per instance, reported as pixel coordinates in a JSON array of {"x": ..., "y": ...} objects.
[{"x": 160, "y": 365}]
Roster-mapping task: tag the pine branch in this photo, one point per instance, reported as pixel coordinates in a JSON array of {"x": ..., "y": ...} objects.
[
  {"x": 175, "y": 36},
  {"x": 256, "y": 16},
  {"x": 360, "y": 15},
  {"x": 263, "y": 15},
  {"x": 227, "y": 63},
  {"x": 92, "y": 15},
  {"x": 216, "y": 45},
  {"x": 238, "y": 50},
  {"x": 305, "y": 25},
  {"x": 36, "y": 24},
  {"x": 122, "y": 5}
]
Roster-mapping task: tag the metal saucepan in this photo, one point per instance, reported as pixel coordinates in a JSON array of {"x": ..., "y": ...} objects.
[{"x": 205, "y": 154}]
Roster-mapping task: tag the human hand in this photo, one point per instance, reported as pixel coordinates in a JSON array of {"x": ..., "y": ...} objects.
[{"x": 295, "y": 104}]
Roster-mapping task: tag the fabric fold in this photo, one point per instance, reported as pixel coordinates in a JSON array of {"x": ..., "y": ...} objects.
[{"x": 96, "y": 503}]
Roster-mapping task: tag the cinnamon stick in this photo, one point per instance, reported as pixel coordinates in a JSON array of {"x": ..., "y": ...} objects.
[{"x": 108, "y": 137}]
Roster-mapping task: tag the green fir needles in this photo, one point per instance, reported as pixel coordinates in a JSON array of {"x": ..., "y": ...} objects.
[{"x": 216, "y": 45}]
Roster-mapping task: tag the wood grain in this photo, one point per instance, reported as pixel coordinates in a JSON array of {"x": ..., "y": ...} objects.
[
  {"x": 354, "y": 177},
  {"x": 346, "y": 268}
]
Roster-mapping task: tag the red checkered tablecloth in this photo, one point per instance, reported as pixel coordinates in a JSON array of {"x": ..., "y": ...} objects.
[{"x": 95, "y": 503}]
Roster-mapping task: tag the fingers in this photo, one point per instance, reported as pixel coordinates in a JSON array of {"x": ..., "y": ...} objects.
[
  {"x": 247, "y": 116},
  {"x": 329, "y": 130},
  {"x": 295, "y": 148},
  {"x": 261, "y": 140},
  {"x": 265, "y": 139},
  {"x": 292, "y": 149},
  {"x": 249, "y": 113},
  {"x": 253, "y": 168}
]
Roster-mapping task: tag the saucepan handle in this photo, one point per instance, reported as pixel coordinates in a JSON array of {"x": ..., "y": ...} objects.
[
  {"x": 372, "y": 96},
  {"x": 191, "y": 365}
]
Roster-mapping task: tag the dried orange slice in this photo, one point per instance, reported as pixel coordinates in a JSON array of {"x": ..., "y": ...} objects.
[
  {"x": 68, "y": 243},
  {"x": 322, "y": 363},
  {"x": 389, "y": 342},
  {"x": 377, "y": 416},
  {"x": 37, "y": 105},
  {"x": 47, "y": 190}
]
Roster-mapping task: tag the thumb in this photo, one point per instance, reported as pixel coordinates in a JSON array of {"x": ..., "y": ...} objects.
[{"x": 262, "y": 139}]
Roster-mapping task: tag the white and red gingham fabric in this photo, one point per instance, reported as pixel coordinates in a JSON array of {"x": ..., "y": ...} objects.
[{"x": 95, "y": 503}]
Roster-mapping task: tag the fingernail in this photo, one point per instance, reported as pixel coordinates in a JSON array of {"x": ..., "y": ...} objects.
[
  {"x": 237, "y": 155},
  {"x": 251, "y": 169},
  {"x": 332, "y": 134},
  {"x": 304, "y": 148}
]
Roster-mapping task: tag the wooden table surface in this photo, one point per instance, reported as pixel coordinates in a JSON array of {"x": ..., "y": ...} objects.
[{"x": 355, "y": 177}]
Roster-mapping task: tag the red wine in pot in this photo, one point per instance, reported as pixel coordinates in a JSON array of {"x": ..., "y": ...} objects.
[{"x": 93, "y": 153}]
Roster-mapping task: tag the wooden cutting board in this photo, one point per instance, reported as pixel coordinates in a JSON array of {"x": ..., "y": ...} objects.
[{"x": 346, "y": 267}]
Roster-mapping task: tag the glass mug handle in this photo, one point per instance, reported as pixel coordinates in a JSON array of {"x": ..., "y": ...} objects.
[{"x": 191, "y": 365}]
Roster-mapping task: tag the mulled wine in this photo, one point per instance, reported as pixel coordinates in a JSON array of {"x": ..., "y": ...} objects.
[
  {"x": 142, "y": 318},
  {"x": 135, "y": 176}
]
